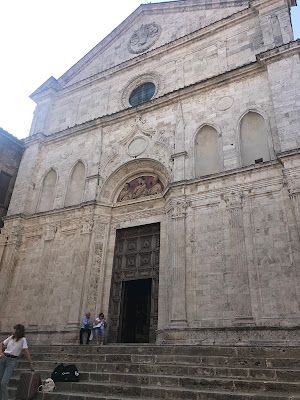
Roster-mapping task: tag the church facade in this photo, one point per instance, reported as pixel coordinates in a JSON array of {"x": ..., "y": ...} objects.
[{"x": 160, "y": 183}]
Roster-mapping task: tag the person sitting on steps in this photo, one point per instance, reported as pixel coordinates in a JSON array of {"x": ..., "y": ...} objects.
[
  {"x": 86, "y": 326},
  {"x": 100, "y": 325}
]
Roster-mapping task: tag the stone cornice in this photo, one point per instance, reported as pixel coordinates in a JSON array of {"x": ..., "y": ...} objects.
[
  {"x": 169, "y": 98},
  {"x": 142, "y": 9},
  {"x": 56, "y": 211},
  {"x": 70, "y": 132},
  {"x": 178, "y": 155},
  {"x": 265, "y": 4},
  {"x": 184, "y": 184},
  {"x": 53, "y": 87},
  {"x": 47, "y": 90},
  {"x": 253, "y": 6},
  {"x": 208, "y": 31},
  {"x": 34, "y": 139},
  {"x": 222, "y": 174},
  {"x": 286, "y": 50},
  {"x": 288, "y": 153}
]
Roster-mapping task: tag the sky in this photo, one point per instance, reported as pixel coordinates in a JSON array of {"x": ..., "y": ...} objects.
[{"x": 43, "y": 38}]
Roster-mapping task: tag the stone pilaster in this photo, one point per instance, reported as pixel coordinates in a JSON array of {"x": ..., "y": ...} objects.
[
  {"x": 45, "y": 272},
  {"x": 80, "y": 263},
  {"x": 179, "y": 153},
  {"x": 95, "y": 282},
  {"x": 10, "y": 242},
  {"x": 294, "y": 193},
  {"x": 178, "y": 264},
  {"x": 275, "y": 25},
  {"x": 243, "y": 307}
]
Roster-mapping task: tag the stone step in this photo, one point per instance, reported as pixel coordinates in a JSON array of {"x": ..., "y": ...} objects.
[
  {"x": 166, "y": 392},
  {"x": 161, "y": 369},
  {"x": 173, "y": 360},
  {"x": 199, "y": 395},
  {"x": 130, "y": 372},
  {"x": 100, "y": 381},
  {"x": 224, "y": 351},
  {"x": 131, "y": 382}
]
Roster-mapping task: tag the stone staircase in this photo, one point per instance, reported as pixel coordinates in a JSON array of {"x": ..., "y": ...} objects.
[{"x": 130, "y": 372}]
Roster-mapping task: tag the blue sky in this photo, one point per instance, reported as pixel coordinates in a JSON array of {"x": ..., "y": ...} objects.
[{"x": 43, "y": 38}]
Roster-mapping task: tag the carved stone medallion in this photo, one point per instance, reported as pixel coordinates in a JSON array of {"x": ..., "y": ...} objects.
[
  {"x": 224, "y": 103},
  {"x": 137, "y": 147},
  {"x": 143, "y": 38}
]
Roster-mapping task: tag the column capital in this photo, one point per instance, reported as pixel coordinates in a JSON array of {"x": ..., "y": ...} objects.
[
  {"x": 49, "y": 232},
  {"x": 87, "y": 227},
  {"x": 179, "y": 210},
  {"x": 234, "y": 200}
]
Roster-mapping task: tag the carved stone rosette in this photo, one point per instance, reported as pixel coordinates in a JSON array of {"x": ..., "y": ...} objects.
[
  {"x": 243, "y": 309},
  {"x": 144, "y": 37}
]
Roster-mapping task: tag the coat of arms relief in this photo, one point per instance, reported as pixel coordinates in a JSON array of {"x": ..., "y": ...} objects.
[{"x": 143, "y": 38}]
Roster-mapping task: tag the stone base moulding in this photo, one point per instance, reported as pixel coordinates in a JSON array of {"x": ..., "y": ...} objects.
[{"x": 238, "y": 336}]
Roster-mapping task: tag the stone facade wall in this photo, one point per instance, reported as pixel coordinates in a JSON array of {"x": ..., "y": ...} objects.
[
  {"x": 217, "y": 50},
  {"x": 229, "y": 241}
]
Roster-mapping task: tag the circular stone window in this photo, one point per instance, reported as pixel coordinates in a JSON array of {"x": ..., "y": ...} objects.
[{"x": 142, "y": 94}]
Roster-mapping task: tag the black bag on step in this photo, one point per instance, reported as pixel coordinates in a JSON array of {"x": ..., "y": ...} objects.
[{"x": 65, "y": 373}]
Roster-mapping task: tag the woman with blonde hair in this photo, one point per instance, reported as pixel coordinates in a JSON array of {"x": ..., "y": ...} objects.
[{"x": 8, "y": 358}]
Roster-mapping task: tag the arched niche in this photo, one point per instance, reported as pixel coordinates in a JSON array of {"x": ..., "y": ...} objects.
[
  {"x": 140, "y": 187},
  {"x": 207, "y": 158},
  {"x": 254, "y": 139},
  {"x": 48, "y": 191},
  {"x": 76, "y": 185},
  {"x": 130, "y": 171}
]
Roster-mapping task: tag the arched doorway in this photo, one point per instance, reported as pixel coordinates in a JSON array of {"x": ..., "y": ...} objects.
[{"x": 133, "y": 307}]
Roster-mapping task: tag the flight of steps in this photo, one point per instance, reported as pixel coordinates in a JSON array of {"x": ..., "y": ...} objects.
[{"x": 116, "y": 372}]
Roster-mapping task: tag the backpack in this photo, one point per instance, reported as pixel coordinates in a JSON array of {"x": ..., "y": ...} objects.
[{"x": 65, "y": 373}]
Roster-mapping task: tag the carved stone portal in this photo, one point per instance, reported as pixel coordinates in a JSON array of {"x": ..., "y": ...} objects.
[
  {"x": 141, "y": 187},
  {"x": 144, "y": 38},
  {"x": 133, "y": 308}
]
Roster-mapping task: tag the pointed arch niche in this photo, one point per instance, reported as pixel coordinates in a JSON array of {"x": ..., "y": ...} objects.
[
  {"x": 207, "y": 157},
  {"x": 254, "y": 139},
  {"x": 48, "y": 191},
  {"x": 76, "y": 185}
]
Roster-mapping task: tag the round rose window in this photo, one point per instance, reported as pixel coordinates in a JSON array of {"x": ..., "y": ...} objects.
[{"x": 142, "y": 94}]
